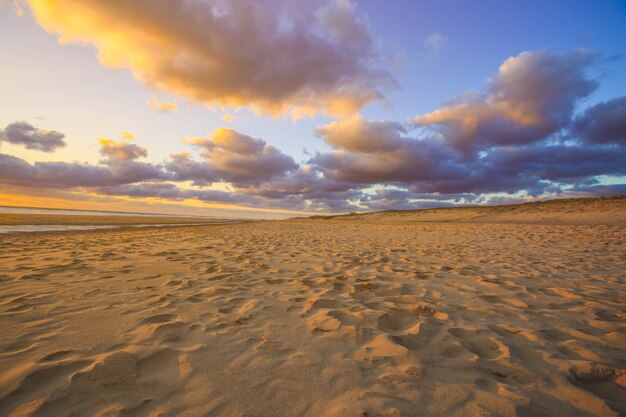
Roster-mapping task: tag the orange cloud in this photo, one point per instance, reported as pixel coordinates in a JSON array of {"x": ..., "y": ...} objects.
[
  {"x": 277, "y": 57},
  {"x": 359, "y": 135},
  {"x": 121, "y": 150}
]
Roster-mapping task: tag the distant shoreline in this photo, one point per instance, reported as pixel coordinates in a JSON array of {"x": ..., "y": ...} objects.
[
  {"x": 45, "y": 228},
  {"x": 30, "y": 219},
  {"x": 69, "y": 211}
]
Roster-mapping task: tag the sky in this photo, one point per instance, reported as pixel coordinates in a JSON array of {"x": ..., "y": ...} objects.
[{"x": 281, "y": 108}]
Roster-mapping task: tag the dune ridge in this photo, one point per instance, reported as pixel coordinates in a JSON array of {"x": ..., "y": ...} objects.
[
  {"x": 312, "y": 318},
  {"x": 576, "y": 211}
]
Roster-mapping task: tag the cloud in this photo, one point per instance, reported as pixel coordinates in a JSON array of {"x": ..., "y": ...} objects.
[
  {"x": 597, "y": 190},
  {"x": 276, "y": 56},
  {"x": 532, "y": 96},
  {"x": 158, "y": 106},
  {"x": 533, "y": 169},
  {"x": 16, "y": 171},
  {"x": 523, "y": 142},
  {"x": 307, "y": 183},
  {"x": 25, "y": 134},
  {"x": 169, "y": 191},
  {"x": 17, "y": 7},
  {"x": 398, "y": 199},
  {"x": 372, "y": 152},
  {"x": 517, "y": 137},
  {"x": 227, "y": 117},
  {"x": 428, "y": 166},
  {"x": 119, "y": 167},
  {"x": 120, "y": 158},
  {"x": 435, "y": 42},
  {"x": 121, "y": 150},
  {"x": 358, "y": 135},
  {"x": 603, "y": 123},
  {"x": 557, "y": 163},
  {"x": 233, "y": 157},
  {"x": 257, "y": 174}
]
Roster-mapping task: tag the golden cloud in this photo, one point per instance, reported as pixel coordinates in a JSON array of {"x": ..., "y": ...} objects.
[{"x": 277, "y": 57}]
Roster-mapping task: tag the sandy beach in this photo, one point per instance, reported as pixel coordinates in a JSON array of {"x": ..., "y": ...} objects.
[{"x": 392, "y": 314}]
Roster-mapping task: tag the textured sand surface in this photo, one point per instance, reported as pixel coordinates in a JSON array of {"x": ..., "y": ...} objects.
[{"x": 315, "y": 318}]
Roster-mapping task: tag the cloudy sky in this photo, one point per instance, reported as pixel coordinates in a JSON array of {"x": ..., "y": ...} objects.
[{"x": 276, "y": 108}]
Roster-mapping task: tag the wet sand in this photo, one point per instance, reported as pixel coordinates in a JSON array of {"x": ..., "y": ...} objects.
[
  {"x": 94, "y": 220},
  {"x": 365, "y": 316}
]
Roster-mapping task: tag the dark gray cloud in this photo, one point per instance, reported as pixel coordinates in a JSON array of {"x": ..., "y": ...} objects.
[
  {"x": 184, "y": 167},
  {"x": 17, "y": 171},
  {"x": 603, "y": 123},
  {"x": 25, "y": 134},
  {"x": 307, "y": 189},
  {"x": 169, "y": 191},
  {"x": 118, "y": 168},
  {"x": 413, "y": 160},
  {"x": 384, "y": 198}
]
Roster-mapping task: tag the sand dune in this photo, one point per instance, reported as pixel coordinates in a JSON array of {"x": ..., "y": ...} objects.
[
  {"x": 383, "y": 317},
  {"x": 611, "y": 211}
]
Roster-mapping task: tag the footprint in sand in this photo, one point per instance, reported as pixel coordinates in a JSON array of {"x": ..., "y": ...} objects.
[
  {"x": 380, "y": 347},
  {"x": 159, "y": 318},
  {"x": 399, "y": 322},
  {"x": 116, "y": 368},
  {"x": 55, "y": 356},
  {"x": 483, "y": 346},
  {"x": 605, "y": 382}
]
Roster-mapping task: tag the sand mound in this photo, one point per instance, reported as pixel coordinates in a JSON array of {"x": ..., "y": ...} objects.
[{"x": 591, "y": 211}]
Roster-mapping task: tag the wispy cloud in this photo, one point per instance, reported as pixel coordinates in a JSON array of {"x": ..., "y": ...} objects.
[
  {"x": 18, "y": 8},
  {"x": 435, "y": 42},
  {"x": 158, "y": 106}
]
